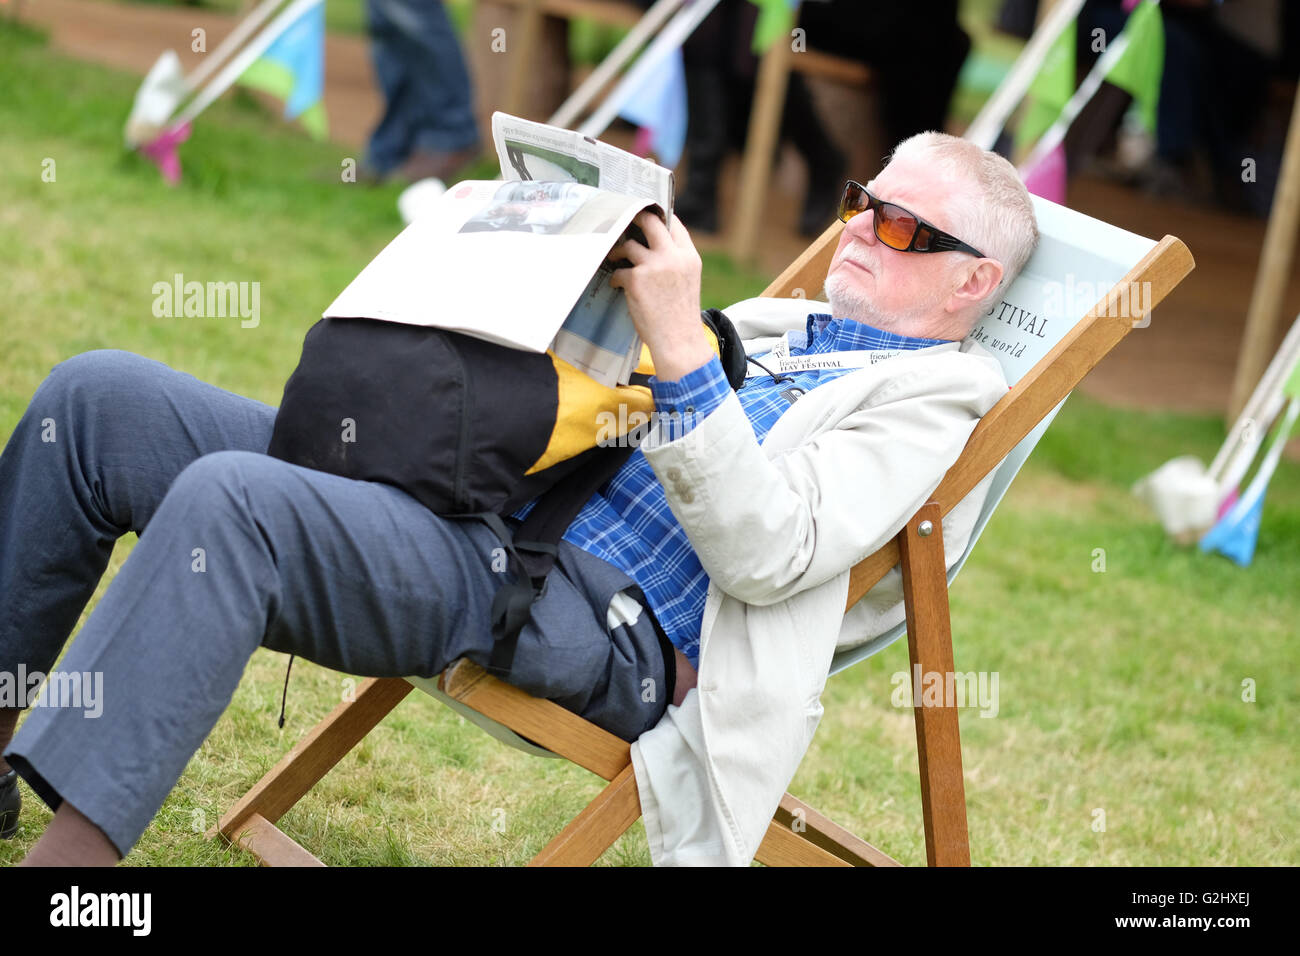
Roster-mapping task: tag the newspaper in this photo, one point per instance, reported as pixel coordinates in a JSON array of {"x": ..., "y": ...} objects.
[{"x": 523, "y": 262}]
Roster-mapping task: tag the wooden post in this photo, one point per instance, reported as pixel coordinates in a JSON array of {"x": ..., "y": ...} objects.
[
  {"x": 760, "y": 146},
  {"x": 1274, "y": 272},
  {"x": 526, "y": 36}
]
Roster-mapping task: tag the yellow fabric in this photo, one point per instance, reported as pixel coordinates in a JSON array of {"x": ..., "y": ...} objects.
[{"x": 590, "y": 413}]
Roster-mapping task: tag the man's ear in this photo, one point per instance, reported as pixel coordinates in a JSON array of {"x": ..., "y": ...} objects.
[{"x": 981, "y": 278}]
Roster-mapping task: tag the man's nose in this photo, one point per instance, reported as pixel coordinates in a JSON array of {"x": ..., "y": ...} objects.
[{"x": 863, "y": 226}]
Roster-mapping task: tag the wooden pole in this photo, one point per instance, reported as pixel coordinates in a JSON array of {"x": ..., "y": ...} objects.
[
  {"x": 760, "y": 147},
  {"x": 1274, "y": 272}
]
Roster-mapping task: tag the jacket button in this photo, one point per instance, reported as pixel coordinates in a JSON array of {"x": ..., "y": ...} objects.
[
  {"x": 674, "y": 474},
  {"x": 684, "y": 493}
]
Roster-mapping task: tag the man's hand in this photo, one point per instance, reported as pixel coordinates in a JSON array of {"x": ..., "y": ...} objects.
[{"x": 663, "y": 295}]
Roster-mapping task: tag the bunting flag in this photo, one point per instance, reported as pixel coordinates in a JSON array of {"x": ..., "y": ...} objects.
[
  {"x": 1235, "y": 534},
  {"x": 1047, "y": 178},
  {"x": 1050, "y": 90},
  {"x": 775, "y": 18},
  {"x": 163, "y": 151},
  {"x": 658, "y": 106},
  {"x": 1291, "y": 389},
  {"x": 293, "y": 69},
  {"x": 1142, "y": 63}
]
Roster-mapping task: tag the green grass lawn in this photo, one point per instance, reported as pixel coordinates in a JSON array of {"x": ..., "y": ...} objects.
[{"x": 1120, "y": 690}]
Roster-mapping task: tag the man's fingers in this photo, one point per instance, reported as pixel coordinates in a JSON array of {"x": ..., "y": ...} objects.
[
  {"x": 656, "y": 233},
  {"x": 631, "y": 250},
  {"x": 677, "y": 229}
]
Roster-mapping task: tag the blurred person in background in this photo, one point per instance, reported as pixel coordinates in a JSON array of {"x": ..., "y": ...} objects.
[
  {"x": 1216, "y": 103},
  {"x": 428, "y": 127},
  {"x": 915, "y": 49}
]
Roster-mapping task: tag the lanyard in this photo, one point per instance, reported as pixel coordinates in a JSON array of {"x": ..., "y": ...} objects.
[{"x": 823, "y": 361}]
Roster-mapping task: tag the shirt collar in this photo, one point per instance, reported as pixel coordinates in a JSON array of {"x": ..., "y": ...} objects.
[{"x": 847, "y": 334}]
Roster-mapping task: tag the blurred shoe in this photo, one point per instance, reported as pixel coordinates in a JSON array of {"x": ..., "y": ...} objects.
[
  {"x": 368, "y": 175},
  {"x": 11, "y": 802},
  {"x": 429, "y": 164}
]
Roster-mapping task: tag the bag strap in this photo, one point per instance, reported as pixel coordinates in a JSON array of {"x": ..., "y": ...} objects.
[{"x": 533, "y": 547}]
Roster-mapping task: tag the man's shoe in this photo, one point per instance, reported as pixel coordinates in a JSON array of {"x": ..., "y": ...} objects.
[{"x": 11, "y": 801}]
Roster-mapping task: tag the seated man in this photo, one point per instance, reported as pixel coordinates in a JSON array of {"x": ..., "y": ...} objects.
[{"x": 738, "y": 521}]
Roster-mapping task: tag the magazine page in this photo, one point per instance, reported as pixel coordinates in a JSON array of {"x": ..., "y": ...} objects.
[
  {"x": 505, "y": 262},
  {"x": 529, "y": 150}
]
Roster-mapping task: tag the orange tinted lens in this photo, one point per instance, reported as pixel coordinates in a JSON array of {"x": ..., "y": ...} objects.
[
  {"x": 852, "y": 202},
  {"x": 895, "y": 226}
]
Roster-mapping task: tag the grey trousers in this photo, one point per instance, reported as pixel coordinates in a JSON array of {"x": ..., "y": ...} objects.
[{"x": 239, "y": 550}]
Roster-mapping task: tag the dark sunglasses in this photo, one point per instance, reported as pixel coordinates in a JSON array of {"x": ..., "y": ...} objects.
[{"x": 898, "y": 228}]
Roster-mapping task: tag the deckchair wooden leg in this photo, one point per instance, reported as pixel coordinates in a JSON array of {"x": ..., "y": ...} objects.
[
  {"x": 594, "y": 830},
  {"x": 929, "y": 644},
  {"x": 782, "y": 846},
  {"x": 798, "y": 818},
  {"x": 313, "y": 757}
]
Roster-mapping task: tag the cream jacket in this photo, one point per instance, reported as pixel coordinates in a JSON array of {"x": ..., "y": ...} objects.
[{"x": 777, "y": 527}]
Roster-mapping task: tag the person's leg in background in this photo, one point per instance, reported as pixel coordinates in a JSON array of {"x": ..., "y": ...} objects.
[
  {"x": 721, "y": 70},
  {"x": 802, "y": 126},
  {"x": 915, "y": 50},
  {"x": 718, "y": 76},
  {"x": 428, "y": 127}
]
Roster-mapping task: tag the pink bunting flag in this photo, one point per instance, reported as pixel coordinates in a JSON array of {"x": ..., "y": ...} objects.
[
  {"x": 1047, "y": 178},
  {"x": 644, "y": 141},
  {"x": 162, "y": 151}
]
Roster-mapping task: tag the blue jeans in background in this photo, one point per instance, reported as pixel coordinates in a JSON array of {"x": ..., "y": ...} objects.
[{"x": 429, "y": 101}]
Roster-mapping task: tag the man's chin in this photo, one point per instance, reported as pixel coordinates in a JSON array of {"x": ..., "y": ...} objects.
[{"x": 849, "y": 305}]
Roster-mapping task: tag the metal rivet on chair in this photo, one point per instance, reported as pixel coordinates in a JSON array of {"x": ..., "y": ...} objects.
[{"x": 925, "y": 528}]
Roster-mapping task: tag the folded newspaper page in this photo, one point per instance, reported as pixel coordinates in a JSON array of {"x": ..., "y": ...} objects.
[{"x": 523, "y": 262}]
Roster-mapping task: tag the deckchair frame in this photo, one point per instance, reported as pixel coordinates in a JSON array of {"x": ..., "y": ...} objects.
[{"x": 798, "y": 834}]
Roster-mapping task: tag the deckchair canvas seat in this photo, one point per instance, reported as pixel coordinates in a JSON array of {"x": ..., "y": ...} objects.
[{"x": 1086, "y": 286}]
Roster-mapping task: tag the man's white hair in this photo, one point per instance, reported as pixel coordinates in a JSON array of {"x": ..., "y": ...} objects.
[{"x": 998, "y": 219}]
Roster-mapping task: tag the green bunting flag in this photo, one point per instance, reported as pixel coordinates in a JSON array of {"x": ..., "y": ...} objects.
[
  {"x": 1051, "y": 90},
  {"x": 1142, "y": 64},
  {"x": 775, "y": 17},
  {"x": 1292, "y": 387}
]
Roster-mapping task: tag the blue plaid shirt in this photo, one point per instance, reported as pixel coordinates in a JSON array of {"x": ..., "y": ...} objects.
[{"x": 628, "y": 522}]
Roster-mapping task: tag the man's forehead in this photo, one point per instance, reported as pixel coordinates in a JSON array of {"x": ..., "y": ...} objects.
[{"x": 925, "y": 188}]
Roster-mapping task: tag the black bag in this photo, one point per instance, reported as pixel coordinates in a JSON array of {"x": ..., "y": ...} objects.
[{"x": 461, "y": 424}]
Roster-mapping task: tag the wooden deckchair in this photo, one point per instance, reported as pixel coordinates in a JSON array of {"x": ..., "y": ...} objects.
[{"x": 1079, "y": 262}]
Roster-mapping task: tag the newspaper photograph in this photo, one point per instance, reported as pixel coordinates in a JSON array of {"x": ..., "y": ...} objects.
[{"x": 529, "y": 150}]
